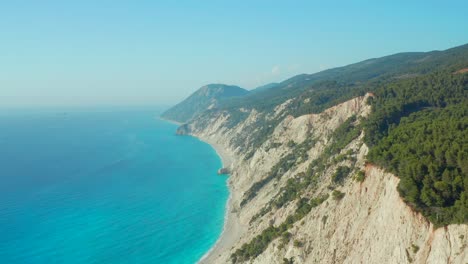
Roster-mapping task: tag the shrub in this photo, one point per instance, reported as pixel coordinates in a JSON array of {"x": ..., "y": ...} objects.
[
  {"x": 298, "y": 243},
  {"x": 259, "y": 243},
  {"x": 360, "y": 176},
  {"x": 415, "y": 248},
  {"x": 337, "y": 195},
  {"x": 340, "y": 174}
]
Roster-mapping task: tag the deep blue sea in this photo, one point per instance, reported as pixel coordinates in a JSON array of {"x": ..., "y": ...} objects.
[{"x": 105, "y": 186}]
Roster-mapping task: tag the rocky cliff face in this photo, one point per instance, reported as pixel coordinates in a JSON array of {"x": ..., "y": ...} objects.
[
  {"x": 371, "y": 224},
  {"x": 362, "y": 220}
]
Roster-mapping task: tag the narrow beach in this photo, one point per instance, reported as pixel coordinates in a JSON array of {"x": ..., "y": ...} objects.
[{"x": 232, "y": 228}]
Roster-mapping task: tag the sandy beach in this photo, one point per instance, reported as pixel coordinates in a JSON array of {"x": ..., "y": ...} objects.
[{"x": 232, "y": 228}]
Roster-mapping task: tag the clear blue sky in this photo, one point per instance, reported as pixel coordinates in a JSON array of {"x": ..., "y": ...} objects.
[{"x": 158, "y": 52}]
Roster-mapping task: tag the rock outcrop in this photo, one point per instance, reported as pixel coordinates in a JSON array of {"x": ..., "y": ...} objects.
[
  {"x": 183, "y": 130},
  {"x": 223, "y": 171}
]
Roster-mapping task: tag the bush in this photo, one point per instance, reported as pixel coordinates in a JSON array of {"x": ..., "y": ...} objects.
[
  {"x": 286, "y": 163},
  {"x": 340, "y": 174},
  {"x": 360, "y": 176},
  {"x": 337, "y": 195},
  {"x": 259, "y": 243},
  {"x": 414, "y": 248},
  {"x": 298, "y": 243}
]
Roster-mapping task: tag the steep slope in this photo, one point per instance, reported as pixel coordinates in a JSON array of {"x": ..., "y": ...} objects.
[
  {"x": 366, "y": 167},
  {"x": 369, "y": 224},
  {"x": 207, "y": 97}
]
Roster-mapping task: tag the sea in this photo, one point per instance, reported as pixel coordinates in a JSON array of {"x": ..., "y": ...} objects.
[{"x": 105, "y": 185}]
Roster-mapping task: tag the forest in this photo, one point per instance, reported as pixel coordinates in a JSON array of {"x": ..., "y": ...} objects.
[{"x": 418, "y": 131}]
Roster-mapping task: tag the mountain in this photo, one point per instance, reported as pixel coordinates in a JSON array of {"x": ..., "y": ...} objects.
[
  {"x": 207, "y": 97},
  {"x": 324, "y": 166},
  {"x": 345, "y": 81},
  {"x": 264, "y": 87}
]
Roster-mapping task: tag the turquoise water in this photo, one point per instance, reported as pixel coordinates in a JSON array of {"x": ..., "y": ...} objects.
[{"x": 105, "y": 187}]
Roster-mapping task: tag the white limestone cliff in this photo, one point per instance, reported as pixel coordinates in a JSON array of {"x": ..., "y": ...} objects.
[{"x": 371, "y": 224}]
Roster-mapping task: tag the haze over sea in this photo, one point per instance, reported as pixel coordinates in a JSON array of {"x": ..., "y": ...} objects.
[{"x": 105, "y": 186}]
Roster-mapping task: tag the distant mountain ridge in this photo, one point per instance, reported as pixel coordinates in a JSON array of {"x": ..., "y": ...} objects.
[
  {"x": 370, "y": 72},
  {"x": 264, "y": 87},
  {"x": 207, "y": 97}
]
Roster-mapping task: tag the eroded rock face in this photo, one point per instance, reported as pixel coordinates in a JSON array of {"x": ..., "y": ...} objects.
[
  {"x": 183, "y": 130},
  {"x": 224, "y": 171},
  {"x": 370, "y": 224}
]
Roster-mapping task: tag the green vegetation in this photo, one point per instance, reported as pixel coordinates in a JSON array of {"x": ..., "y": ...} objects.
[
  {"x": 258, "y": 244},
  {"x": 415, "y": 129},
  {"x": 337, "y": 195},
  {"x": 295, "y": 186},
  {"x": 401, "y": 98},
  {"x": 260, "y": 131},
  {"x": 204, "y": 98},
  {"x": 429, "y": 151},
  {"x": 341, "y": 137},
  {"x": 414, "y": 248},
  {"x": 278, "y": 170},
  {"x": 298, "y": 243},
  {"x": 298, "y": 153},
  {"x": 341, "y": 173},
  {"x": 330, "y": 87},
  {"x": 360, "y": 176},
  {"x": 291, "y": 191},
  {"x": 418, "y": 131},
  {"x": 235, "y": 116},
  {"x": 261, "y": 213}
]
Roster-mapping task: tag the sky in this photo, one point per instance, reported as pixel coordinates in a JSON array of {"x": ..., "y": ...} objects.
[{"x": 115, "y": 52}]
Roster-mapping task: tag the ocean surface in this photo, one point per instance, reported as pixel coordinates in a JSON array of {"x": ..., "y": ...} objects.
[{"x": 105, "y": 186}]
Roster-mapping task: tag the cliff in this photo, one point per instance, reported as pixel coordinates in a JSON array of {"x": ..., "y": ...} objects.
[
  {"x": 369, "y": 224},
  {"x": 364, "y": 163}
]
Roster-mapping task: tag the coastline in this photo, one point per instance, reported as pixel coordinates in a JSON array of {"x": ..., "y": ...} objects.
[
  {"x": 231, "y": 227},
  {"x": 170, "y": 121}
]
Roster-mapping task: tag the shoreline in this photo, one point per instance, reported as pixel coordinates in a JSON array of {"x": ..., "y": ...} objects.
[
  {"x": 231, "y": 226},
  {"x": 170, "y": 121}
]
